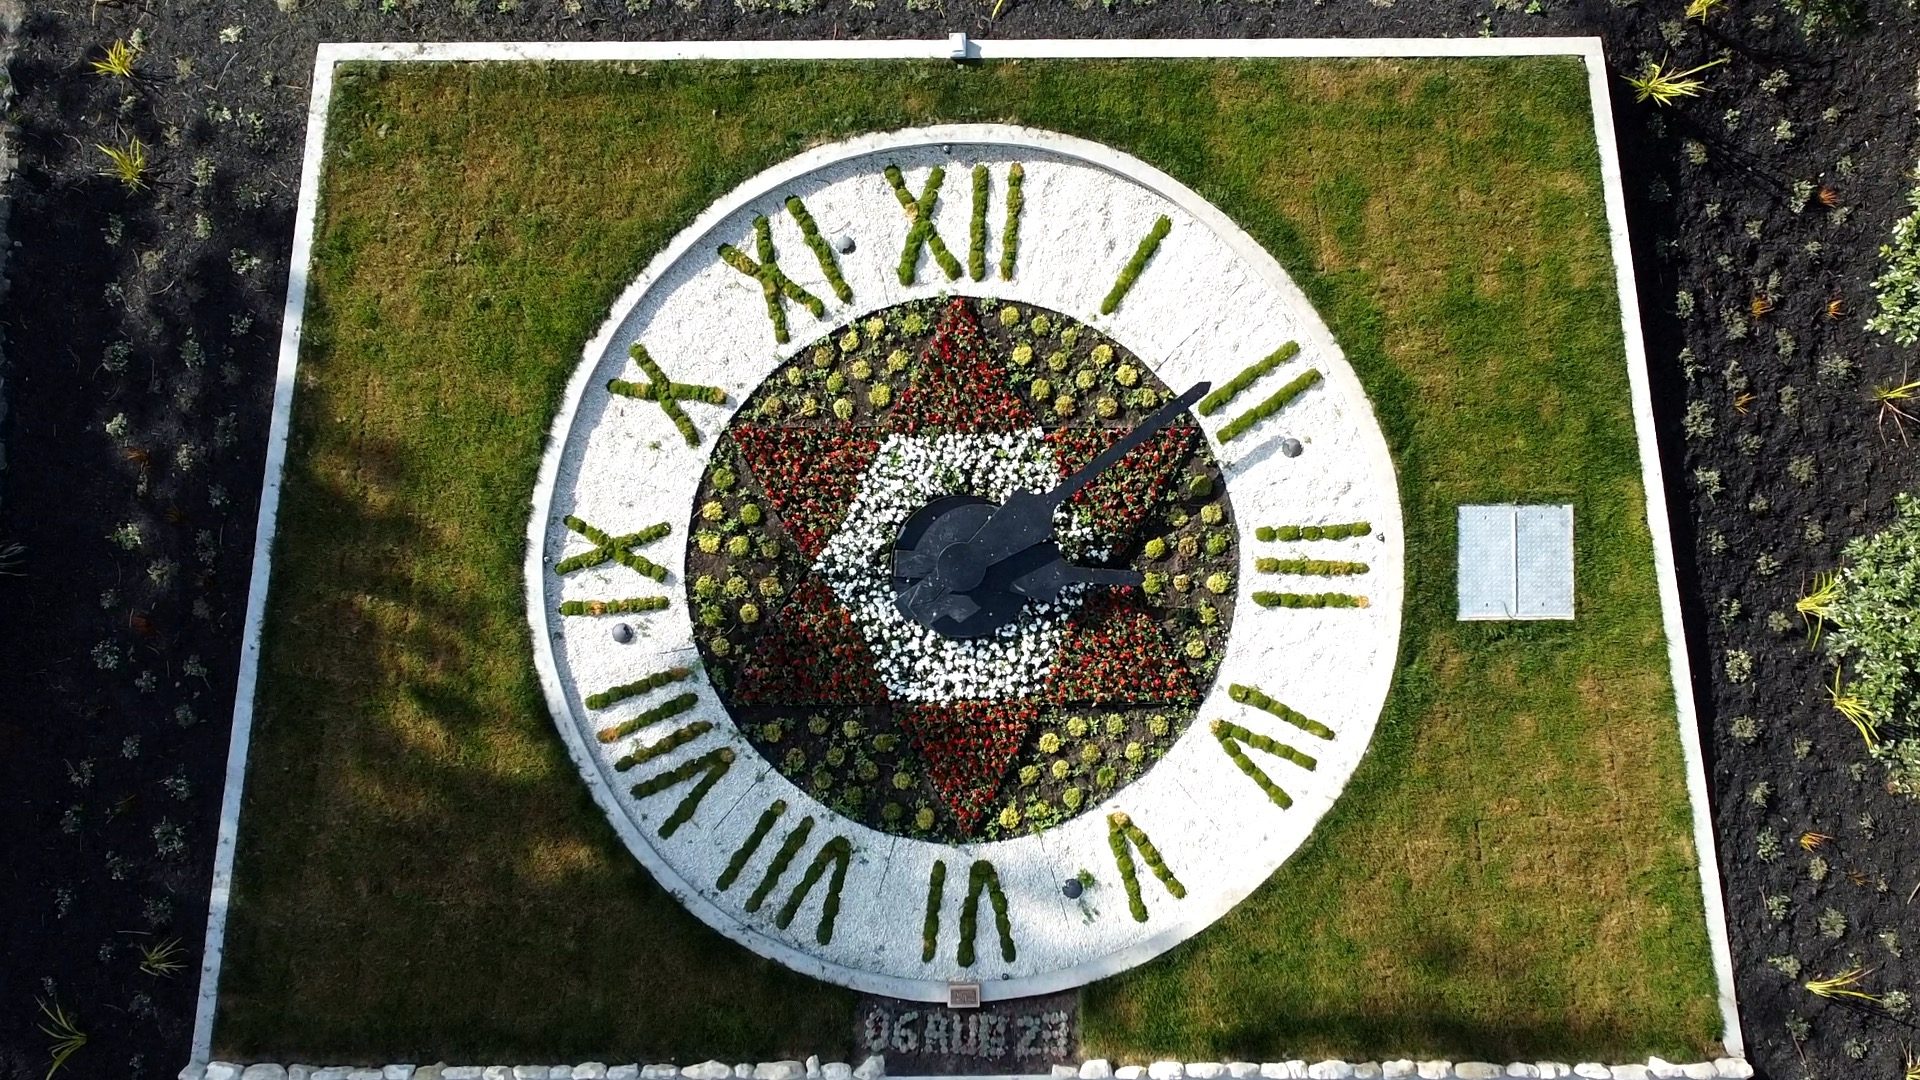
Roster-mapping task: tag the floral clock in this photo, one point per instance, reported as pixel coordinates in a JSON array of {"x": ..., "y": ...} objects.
[{"x": 964, "y": 557}]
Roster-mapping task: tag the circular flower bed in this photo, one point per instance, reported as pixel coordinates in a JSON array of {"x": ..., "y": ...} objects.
[{"x": 789, "y": 571}]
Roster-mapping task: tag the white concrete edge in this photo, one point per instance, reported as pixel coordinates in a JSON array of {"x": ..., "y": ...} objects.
[
  {"x": 939, "y": 49},
  {"x": 874, "y": 1068},
  {"x": 329, "y": 55},
  {"x": 1659, "y": 525},
  {"x": 291, "y": 318}
]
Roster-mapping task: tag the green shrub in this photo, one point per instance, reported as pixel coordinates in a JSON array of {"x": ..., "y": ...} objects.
[
  {"x": 714, "y": 763},
  {"x": 1897, "y": 289},
  {"x": 1149, "y": 244},
  {"x": 983, "y": 877},
  {"x": 1271, "y": 533},
  {"x": 1224, "y": 394},
  {"x": 921, "y": 234},
  {"x": 774, "y": 283},
  {"x": 1875, "y": 631},
  {"x": 977, "y": 230},
  {"x": 1122, "y": 836}
]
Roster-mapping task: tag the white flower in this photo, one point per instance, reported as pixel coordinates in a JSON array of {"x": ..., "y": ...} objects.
[{"x": 909, "y": 471}]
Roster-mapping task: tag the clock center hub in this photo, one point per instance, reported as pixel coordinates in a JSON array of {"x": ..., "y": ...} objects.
[{"x": 960, "y": 567}]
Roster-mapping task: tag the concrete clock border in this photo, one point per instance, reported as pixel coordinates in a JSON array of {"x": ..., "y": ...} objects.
[{"x": 329, "y": 56}]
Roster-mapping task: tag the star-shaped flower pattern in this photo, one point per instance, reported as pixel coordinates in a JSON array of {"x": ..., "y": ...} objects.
[{"x": 842, "y": 489}]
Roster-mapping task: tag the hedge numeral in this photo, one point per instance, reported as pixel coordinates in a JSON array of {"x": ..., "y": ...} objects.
[
  {"x": 1149, "y": 244},
  {"x": 838, "y": 851},
  {"x": 629, "y": 606},
  {"x": 675, "y": 739},
  {"x": 822, "y": 251},
  {"x": 930, "y": 924},
  {"x": 1123, "y": 835},
  {"x": 774, "y": 283},
  {"x": 983, "y": 877},
  {"x": 658, "y": 679},
  {"x": 1341, "y": 531},
  {"x": 778, "y": 867},
  {"x": 750, "y": 845},
  {"x": 1308, "y": 600},
  {"x": 607, "y": 548},
  {"x": 1256, "y": 697},
  {"x": 1310, "y": 567},
  {"x": 666, "y": 393},
  {"x": 1010, "y": 232},
  {"x": 1238, "y": 426},
  {"x": 922, "y": 233},
  {"x": 666, "y": 710},
  {"x": 714, "y": 763},
  {"x": 1234, "y": 739},
  {"x": 1252, "y": 373}
]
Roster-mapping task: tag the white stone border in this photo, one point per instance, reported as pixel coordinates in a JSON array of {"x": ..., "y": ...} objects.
[
  {"x": 329, "y": 55},
  {"x": 874, "y": 1068}
]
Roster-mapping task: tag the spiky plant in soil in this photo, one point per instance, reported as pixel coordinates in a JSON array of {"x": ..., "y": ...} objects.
[
  {"x": 64, "y": 1030},
  {"x": 1664, "y": 87},
  {"x": 1816, "y": 608}
]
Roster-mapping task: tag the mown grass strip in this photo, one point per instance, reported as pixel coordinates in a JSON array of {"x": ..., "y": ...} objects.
[
  {"x": 1224, "y": 394},
  {"x": 977, "y": 227}
]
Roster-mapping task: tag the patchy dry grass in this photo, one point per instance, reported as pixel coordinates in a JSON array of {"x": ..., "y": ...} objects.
[{"x": 421, "y": 874}]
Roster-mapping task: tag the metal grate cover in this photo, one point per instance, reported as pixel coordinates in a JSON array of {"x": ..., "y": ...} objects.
[{"x": 1516, "y": 562}]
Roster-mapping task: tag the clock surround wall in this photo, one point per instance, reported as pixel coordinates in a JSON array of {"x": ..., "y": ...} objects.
[{"x": 815, "y": 248}]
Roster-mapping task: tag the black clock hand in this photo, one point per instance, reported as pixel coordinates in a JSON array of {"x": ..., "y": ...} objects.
[{"x": 1026, "y": 518}]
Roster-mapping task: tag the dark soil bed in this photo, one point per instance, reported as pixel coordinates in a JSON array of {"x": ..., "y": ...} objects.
[{"x": 142, "y": 328}]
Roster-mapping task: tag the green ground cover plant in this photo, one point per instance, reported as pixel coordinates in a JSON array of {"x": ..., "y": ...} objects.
[{"x": 407, "y": 792}]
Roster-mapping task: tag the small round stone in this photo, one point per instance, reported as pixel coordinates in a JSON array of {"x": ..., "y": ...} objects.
[
  {"x": 622, "y": 633},
  {"x": 1290, "y": 446},
  {"x": 844, "y": 243},
  {"x": 1072, "y": 889}
]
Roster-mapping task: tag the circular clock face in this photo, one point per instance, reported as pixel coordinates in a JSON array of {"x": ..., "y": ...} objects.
[{"x": 964, "y": 555}]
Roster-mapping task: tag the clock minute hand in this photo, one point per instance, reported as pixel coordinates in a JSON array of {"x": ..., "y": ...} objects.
[{"x": 1026, "y": 518}]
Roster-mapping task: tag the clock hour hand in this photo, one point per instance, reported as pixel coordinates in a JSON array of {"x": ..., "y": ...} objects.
[{"x": 1043, "y": 584}]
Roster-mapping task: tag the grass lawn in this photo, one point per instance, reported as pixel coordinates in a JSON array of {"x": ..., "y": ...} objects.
[{"x": 422, "y": 875}]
